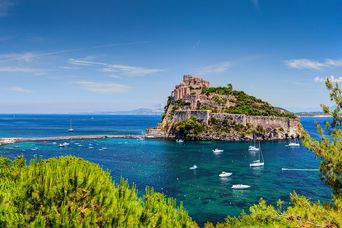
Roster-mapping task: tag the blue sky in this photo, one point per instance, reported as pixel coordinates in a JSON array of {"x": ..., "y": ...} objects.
[{"x": 72, "y": 56}]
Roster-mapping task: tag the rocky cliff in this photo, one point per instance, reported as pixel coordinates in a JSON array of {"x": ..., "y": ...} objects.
[{"x": 195, "y": 110}]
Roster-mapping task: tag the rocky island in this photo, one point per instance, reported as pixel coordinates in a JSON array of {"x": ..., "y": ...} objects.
[{"x": 197, "y": 111}]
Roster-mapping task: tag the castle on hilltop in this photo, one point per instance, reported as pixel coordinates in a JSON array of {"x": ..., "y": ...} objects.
[
  {"x": 188, "y": 84},
  {"x": 222, "y": 113},
  {"x": 190, "y": 93}
]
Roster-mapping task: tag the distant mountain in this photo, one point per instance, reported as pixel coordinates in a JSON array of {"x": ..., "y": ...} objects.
[
  {"x": 139, "y": 111},
  {"x": 303, "y": 114}
]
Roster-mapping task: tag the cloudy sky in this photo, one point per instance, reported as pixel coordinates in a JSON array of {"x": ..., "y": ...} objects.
[{"x": 72, "y": 56}]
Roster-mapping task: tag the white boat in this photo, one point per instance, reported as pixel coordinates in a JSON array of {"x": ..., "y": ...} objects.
[
  {"x": 193, "y": 167},
  {"x": 70, "y": 128},
  {"x": 179, "y": 140},
  {"x": 225, "y": 174},
  {"x": 293, "y": 144},
  {"x": 254, "y": 148},
  {"x": 240, "y": 186},
  {"x": 63, "y": 144},
  {"x": 259, "y": 162},
  {"x": 217, "y": 151}
]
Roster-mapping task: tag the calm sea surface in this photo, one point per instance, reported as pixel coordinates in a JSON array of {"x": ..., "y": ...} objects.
[{"x": 165, "y": 164}]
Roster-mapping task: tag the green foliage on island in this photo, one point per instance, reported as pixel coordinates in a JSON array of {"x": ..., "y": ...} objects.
[
  {"x": 221, "y": 90},
  {"x": 188, "y": 127},
  {"x": 71, "y": 192},
  {"x": 244, "y": 103},
  {"x": 249, "y": 105}
]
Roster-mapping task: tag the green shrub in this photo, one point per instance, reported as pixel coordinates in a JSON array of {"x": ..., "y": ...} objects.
[
  {"x": 71, "y": 192},
  {"x": 189, "y": 126}
]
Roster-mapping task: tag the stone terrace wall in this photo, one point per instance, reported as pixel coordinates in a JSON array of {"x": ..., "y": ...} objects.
[
  {"x": 264, "y": 121},
  {"x": 269, "y": 121},
  {"x": 183, "y": 115},
  {"x": 230, "y": 118}
]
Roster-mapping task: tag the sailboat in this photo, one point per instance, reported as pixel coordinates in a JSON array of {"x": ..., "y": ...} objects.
[
  {"x": 259, "y": 162},
  {"x": 70, "y": 128}
]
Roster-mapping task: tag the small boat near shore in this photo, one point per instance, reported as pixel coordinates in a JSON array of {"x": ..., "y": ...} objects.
[
  {"x": 179, "y": 140},
  {"x": 294, "y": 144},
  {"x": 193, "y": 167},
  {"x": 225, "y": 174},
  {"x": 240, "y": 186},
  {"x": 217, "y": 151},
  {"x": 254, "y": 147},
  {"x": 63, "y": 144}
]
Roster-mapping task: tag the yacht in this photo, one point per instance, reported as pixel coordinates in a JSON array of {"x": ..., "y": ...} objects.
[
  {"x": 225, "y": 174},
  {"x": 240, "y": 186},
  {"x": 217, "y": 151},
  {"x": 253, "y": 147},
  {"x": 294, "y": 144},
  {"x": 193, "y": 167}
]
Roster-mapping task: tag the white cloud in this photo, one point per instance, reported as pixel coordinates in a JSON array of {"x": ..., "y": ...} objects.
[
  {"x": 98, "y": 87},
  {"x": 5, "y": 5},
  {"x": 18, "y": 89},
  {"x": 84, "y": 62},
  {"x": 331, "y": 78},
  {"x": 69, "y": 67},
  {"x": 129, "y": 70},
  {"x": 24, "y": 70},
  {"x": 26, "y": 57},
  {"x": 216, "y": 68},
  {"x": 313, "y": 64},
  {"x": 115, "y": 68}
]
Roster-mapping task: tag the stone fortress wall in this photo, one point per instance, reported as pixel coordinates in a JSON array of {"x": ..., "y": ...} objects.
[{"x": 264, "y": 121}]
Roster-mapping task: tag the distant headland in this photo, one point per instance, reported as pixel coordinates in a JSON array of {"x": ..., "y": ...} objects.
[{"x": 197, "y": 111}]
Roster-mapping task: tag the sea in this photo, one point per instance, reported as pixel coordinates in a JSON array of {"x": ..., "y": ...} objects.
[{"x": 165, "y": 164}]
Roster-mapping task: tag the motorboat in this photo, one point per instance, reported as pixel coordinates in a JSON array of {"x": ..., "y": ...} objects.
[
  {"x": 193, "y": 167},
  {"x": 254, "y": 147},
  {"x": 63, "y": 144},
  {"x": 225, "y": 174},
  {"x": 217, "y": 151},
  {"x": 179, "y": 140},
  {"x": 293, "y": 144},
  {"x": 240, "y": 186}
]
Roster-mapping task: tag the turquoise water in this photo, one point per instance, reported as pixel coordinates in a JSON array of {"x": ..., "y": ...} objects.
[{"x": 165, "y": 164}]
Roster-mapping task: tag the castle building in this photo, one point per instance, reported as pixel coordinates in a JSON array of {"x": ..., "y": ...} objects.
[{"x": 189, "y": 83}]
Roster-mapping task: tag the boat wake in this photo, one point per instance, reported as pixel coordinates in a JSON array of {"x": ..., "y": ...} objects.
[{"x": 286, "y": 169}]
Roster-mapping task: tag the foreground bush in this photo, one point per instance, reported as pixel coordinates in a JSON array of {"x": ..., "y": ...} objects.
[{"x": 71, "y": 192}]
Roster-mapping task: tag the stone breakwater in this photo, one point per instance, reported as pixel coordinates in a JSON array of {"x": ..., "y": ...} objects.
[{"x": 4, "y": 141}]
